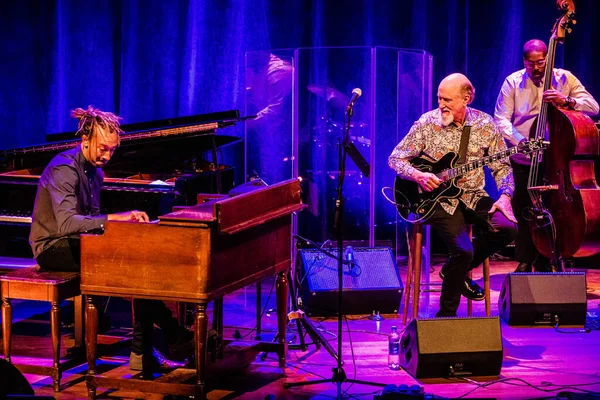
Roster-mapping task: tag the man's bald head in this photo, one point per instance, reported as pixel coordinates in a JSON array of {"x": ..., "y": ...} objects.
[
  {"x": 454, "y": 94},
  {"x": 534, "y": 45},
  {"x": 461, "y": 83}
]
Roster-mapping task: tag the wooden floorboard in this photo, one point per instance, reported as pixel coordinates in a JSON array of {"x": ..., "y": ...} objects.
[{"x": 538, "y": 362}]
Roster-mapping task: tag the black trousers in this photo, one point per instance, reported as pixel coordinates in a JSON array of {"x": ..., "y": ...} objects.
[
  {"x": 65, "y": 255},
  {"x": 491, "y": 233}
]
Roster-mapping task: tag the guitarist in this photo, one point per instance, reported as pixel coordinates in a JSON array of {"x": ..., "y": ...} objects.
[
  {"x": 436, "y": 133},
  {"x": 518, "y": 105}
]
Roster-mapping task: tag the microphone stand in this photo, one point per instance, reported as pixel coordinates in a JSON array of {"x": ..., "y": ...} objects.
[{"x": 346, "y": 147}]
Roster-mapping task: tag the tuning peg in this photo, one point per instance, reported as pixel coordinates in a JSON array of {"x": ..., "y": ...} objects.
[
  {"x": 574, "y": 21},
  {"x": 569, "y": 30}
]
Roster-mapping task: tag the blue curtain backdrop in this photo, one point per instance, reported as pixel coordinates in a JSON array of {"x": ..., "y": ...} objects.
[{"x": 155, "y": 59}]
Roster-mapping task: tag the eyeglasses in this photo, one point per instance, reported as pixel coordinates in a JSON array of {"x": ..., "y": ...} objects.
[{"x": 538, "y": 63}]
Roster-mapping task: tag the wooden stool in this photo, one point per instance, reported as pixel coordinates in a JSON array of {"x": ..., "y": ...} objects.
[
  {"x": 33, "y": 284},
  {"x": 413, "y": 277},
  {"x": 9, "y": 264}
]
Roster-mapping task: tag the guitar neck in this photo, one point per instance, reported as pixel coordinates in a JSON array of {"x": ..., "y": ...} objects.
[{"x": 480, "y": 163}]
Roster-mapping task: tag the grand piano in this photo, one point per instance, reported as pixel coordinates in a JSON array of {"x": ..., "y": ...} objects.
[
  {"x": 195, "y": 255},
  {"x": 160, "y": 164}
]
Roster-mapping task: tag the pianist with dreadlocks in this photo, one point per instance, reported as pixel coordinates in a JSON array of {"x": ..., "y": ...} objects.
[{"x": 67, "y": 204}]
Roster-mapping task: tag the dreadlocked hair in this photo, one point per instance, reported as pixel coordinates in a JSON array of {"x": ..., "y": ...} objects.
[{"x": 92, "y": 117}]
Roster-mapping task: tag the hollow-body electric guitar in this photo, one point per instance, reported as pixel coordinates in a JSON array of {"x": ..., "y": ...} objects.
[{"x": 415, "y": 205}]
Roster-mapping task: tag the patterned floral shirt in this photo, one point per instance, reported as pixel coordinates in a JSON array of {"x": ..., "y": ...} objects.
[{"x": 430, "y": 140}]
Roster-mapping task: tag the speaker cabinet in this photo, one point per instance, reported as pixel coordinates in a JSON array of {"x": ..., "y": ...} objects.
[
  {"x": 536, "y": 298},
  {"x": 438, "y": 348},
  {"x": 373, "y": 284}
]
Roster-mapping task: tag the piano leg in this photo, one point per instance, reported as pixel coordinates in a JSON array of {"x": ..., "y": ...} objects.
[
  {"x": 91, "y": 332},
  {"x": 282, "y": 298},
  {"x": 201, "y": 325},
  {"x": 55, "y": 328},
  {"x": 7, "y": 327}
]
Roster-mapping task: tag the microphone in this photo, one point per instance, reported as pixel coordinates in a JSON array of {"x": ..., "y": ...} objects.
[
  {"x": 356, "y": 93},
  {"x": 349, "y": 256},
  {"x": 349, "y": 260}
]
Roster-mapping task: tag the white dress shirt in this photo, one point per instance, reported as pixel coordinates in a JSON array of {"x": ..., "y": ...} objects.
[{"x": 520, "y": 100}]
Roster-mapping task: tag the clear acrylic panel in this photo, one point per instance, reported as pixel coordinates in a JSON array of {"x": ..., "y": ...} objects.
[
  {"x": 269, "y": 138},
  {"x": 398, "y": 107},
  {"x": 301, "y": 96},
  {"x": 326, "y": 79}
]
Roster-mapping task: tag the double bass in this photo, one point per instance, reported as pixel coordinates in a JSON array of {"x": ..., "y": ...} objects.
[{"x": 566, "y": 208}]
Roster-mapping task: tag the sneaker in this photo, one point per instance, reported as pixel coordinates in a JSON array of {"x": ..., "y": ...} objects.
[{"x": 155, "y": 362}]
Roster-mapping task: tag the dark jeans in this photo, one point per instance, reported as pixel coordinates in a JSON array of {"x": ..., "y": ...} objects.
[
  {"x": 65, "y": 254},
  {"x": 491, "y": 233},
  {"x": 525, "y": 250}
]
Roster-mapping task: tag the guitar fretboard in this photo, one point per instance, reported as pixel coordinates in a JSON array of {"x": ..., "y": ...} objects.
[{"x": 480, "y": 163}]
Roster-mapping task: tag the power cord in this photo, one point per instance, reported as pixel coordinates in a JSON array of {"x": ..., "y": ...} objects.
[
  {"x": 509, "y": 381},
  {"x": 237, "y": 335},
  {"x": 355, "y": 269},
  {"x": 586, "y": 329}
]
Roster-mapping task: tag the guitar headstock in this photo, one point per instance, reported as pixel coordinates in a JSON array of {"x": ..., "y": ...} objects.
[
  {"x": 531, "y": 146},
  {"x": 564, "y": 23}
]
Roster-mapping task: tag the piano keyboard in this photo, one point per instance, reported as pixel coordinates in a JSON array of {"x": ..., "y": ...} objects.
[{"x": 16, "y": 219}]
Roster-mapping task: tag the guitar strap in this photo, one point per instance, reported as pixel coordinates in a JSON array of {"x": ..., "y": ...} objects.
[{"x": 464, "y": 142}]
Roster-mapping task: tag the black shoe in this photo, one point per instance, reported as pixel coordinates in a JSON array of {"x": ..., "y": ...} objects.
[
  {"x": 471, "y": 290},
  {"x": 155, "y": 362},
  {"x": 523, "y": 267}
]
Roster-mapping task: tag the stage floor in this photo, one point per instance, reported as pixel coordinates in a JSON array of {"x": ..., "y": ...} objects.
[{"x": 538, "y": 362}]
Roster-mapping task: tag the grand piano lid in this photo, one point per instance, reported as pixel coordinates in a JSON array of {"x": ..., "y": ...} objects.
[
  {"x": 224, "y": 118},
  {"x": 153, "y": 145}
]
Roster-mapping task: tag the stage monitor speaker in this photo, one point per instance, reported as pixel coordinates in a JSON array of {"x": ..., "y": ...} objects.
[
  {"x": 441, "y": 347},
  {"x": 12, "y": 381},
  {"x": 536, "y": 298},
  {"x": 373, "y": 284}
]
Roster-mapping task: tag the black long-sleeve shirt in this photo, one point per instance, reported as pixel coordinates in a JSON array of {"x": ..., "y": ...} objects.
[{"x": 67, "y": 202}]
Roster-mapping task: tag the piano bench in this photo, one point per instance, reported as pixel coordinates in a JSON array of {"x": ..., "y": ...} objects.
[
  {"x": 32, "y": 284},
  {"x": 8, "y": 264}
]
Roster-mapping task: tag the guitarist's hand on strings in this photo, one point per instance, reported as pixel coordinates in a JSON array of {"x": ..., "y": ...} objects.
[
  {"x": 426, "y": 180},
  {"x": 503, "y": 205}
]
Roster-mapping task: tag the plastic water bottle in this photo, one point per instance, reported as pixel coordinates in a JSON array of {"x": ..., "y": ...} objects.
[{"x": 394, "y": 351}]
